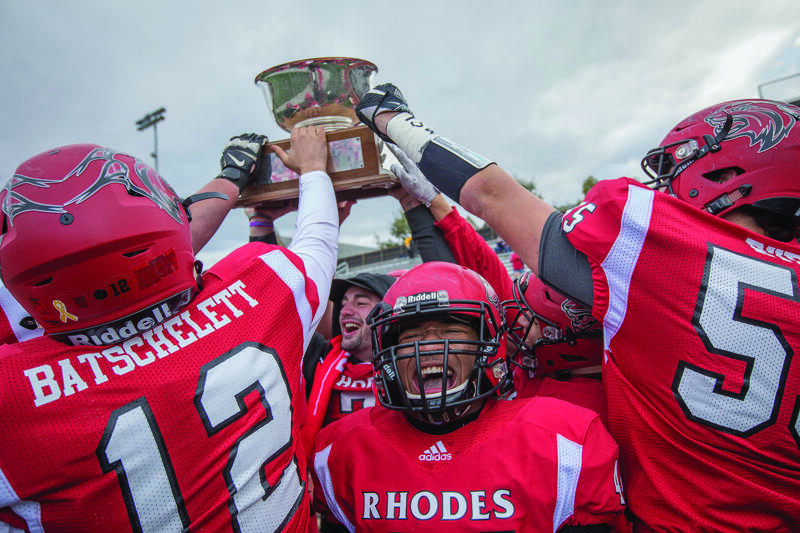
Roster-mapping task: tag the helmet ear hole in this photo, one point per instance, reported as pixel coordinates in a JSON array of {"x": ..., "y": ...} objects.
[
  {"x": 717, "y": 175},
  {"x": 135, "y": 253}
]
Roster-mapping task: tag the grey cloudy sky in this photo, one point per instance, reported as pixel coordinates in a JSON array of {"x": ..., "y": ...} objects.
[{"x": 553, "y": 91}]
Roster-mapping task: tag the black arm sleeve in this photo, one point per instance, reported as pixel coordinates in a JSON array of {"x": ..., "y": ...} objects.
[
  {"x": 269, "y": 238},
  {"x": 328, "y": 527},
  {"x": 431, "y": 244},
  {"x": 594, "y": 528},
  {"x": 563, "y": 267}
]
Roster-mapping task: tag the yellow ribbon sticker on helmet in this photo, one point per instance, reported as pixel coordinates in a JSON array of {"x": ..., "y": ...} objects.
[{"x": 64, "y": 315}]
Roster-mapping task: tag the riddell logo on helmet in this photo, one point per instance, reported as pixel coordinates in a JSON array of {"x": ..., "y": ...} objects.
[
  {"x": 121, "y": 330},
  {"x": 429, "y": 296},
  {"x": 437, "y": 452},
  {"x": 422, "y": 297}
]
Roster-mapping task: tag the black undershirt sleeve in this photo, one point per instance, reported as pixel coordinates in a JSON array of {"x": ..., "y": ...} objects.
[
  {"x": 429, "y": 240},
  {"x": 328, "y": 527},
  {"x": 563, "y": 267},
  {"x": 269, "y": 238},
  {"x": 595, "y": 528}
]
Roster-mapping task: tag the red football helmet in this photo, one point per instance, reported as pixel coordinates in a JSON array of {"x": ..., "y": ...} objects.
[
  {"x": 756, "y": 139},
  {"x": 571, "y": 338},
  {"x": 431, "y": 291},
  {"x": 95, "y": 244}
]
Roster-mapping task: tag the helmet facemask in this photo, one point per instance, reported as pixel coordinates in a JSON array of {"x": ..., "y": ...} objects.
[
  {"x": 665, "y": 163},
  {"x": 420, "y": 376},
  {"x": 550, "y": 333}
]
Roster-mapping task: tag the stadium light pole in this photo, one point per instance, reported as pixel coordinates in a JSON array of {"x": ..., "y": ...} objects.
[
  {"x": 148, "y": 120},
  {"x": 792, "y": 97}
]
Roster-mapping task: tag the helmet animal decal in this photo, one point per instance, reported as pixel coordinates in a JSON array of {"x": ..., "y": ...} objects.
[
  {"x": 764, "y": 126},
  {"x": 113, "y": 171}
]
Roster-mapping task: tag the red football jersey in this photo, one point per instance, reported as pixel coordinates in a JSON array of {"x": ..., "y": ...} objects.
[
  {"x": 351, "y": 391},
  {"x": 701, "y": 319},
  {"x": 522, "y": 465},
  {"x": 189, "y": 426},
  {"x": 586, "y": 392}
]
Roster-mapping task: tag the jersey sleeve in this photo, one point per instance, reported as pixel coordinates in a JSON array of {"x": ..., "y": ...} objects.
[
  {"x": 329, "y": 467},
  {"x": 598, "y": 494},
  {"x": 470, "y": 250},
  {"x": 316, "y": 236},
  {"x": 610, "y": 227}
]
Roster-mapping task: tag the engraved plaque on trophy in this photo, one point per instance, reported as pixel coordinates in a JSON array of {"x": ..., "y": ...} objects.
[{"x": 322, "y": 92}]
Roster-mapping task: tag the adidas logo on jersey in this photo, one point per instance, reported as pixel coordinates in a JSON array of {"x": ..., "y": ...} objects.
[{"x": 437, "y": 452}]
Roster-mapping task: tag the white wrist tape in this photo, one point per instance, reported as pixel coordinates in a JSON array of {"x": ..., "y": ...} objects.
[{"x": 410, "y": 134}]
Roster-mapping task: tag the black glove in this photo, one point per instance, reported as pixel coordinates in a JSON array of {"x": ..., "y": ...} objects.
[
  {"x": 380, "y": 99},
  {"x": 242, "y": 162}
]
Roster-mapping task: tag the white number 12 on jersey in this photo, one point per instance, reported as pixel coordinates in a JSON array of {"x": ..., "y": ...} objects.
[{"x": 133, "y": 447}]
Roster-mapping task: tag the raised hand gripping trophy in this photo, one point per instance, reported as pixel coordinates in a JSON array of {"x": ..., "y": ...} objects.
[{"x": 322, "y": 92}]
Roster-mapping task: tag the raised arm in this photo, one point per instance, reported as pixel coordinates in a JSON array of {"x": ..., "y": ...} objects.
[
  {"x": 463, "y": 243},
  {"x": 316, "y": 237},
  {"x": 207, "y": 215},
  {"x": 478, "y": 184},
  {"x": 239, "y": 165}
]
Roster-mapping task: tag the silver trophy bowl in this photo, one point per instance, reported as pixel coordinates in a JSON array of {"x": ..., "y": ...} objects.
[{"x": 321, "y": 91}]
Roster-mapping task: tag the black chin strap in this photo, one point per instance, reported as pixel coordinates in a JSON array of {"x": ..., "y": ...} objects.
[
  {"x": 713, "y": 143},
  {"x": 199, "y": 197},
  {"x": 448, "y": 427}
]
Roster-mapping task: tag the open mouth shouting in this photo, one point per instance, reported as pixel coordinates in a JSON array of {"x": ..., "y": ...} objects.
[
  {"x": 431, "y": 377},
  {"x": 433, "y": 374},
  {"x": 431, "y": 380},
  {"x": 351, "y": 327}
]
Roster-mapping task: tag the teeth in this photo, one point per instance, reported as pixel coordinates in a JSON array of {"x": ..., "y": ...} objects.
[
  {"x": 435, "y": 370},
  {"x": 432, "y": 370}
]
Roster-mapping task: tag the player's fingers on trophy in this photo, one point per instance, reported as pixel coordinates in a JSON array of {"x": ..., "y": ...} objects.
[
  {"x": 311, "y": 147},
  {"x": 308, "y": 151}
]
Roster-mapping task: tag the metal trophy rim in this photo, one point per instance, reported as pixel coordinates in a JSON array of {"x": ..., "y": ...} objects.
[
  {"x": 325, "y": 100},
  {"x": 300, "y": 62},
  {"x": 289, "y": 113}
]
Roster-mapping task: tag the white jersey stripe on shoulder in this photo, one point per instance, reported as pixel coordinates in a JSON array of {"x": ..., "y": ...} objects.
[
  {"x": 324, "y": 474},
  {"x": 5, "y": 528},
  {"x": 31, "y": 512},
  {"x": 621, "y": 260},
  {"x": 570, "y": 461},
  {"x": 296, "y": 282},
  {"x": 14, "y": 313}
]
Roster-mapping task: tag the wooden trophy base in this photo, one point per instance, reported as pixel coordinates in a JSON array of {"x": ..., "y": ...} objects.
[{"x": 354, "y": 165}]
